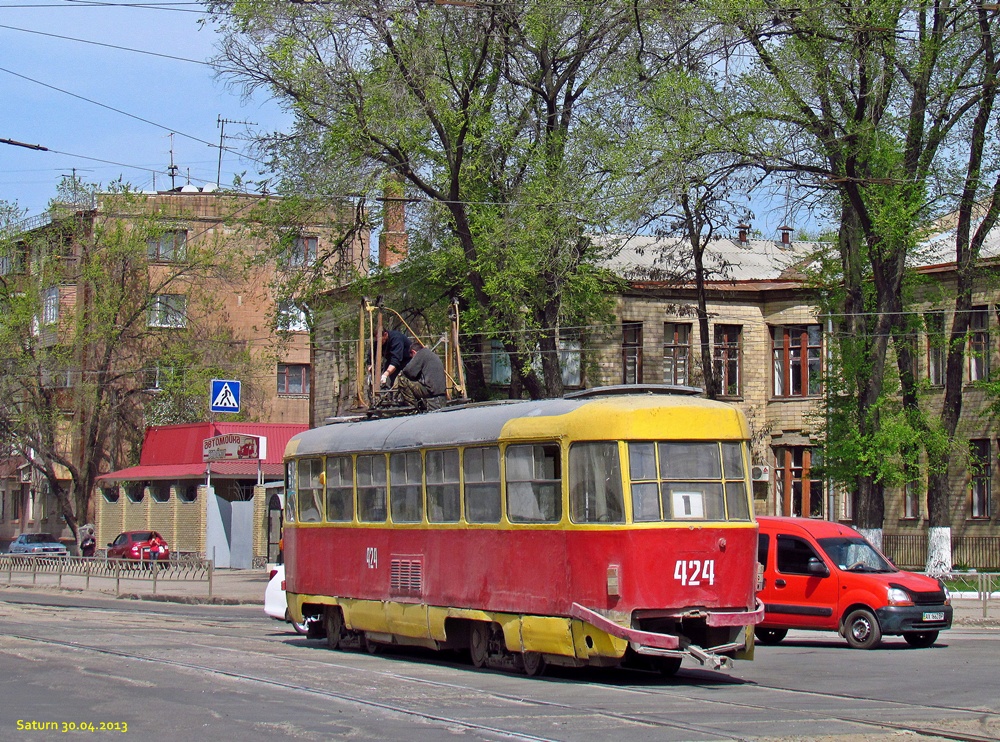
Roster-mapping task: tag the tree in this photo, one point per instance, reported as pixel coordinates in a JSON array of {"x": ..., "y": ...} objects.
[
  {"x": 88, "y": 326},
  {"x": 870, "y": 100},
  {"x": 482, "y": 112}
]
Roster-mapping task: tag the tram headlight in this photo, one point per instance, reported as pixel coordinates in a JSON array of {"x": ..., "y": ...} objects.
[{"x": 898, "y": 596}]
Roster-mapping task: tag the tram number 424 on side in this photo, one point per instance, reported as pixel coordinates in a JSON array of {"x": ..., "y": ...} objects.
[{"x": 694, "y": 572}]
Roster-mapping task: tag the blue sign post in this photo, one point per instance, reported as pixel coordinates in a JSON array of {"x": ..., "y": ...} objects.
[{"x": 225, "y": 396}]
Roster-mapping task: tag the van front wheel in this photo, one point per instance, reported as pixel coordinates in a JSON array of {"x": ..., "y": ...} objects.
[
  {"x": 861, "y": 629},
  {"x": 920, "y": 639},
  {"x": 770, "y": 636}
]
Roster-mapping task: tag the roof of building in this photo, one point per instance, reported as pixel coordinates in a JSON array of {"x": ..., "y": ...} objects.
[
  {"x": 175, "y": 452},
  {"x": 647, "y": 258}
]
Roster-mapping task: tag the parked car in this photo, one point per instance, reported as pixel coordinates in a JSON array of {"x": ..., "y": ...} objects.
[
  {"x": 38, "y": 543},
  {"x": 825, "y": 576},
  {"x": 139, "y": 545},
  {"x": 275, "y": 604}
]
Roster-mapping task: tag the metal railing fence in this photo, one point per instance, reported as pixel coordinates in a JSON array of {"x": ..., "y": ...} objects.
[
  {"x": 64, "y": 569},
  {"x": 909, "y": 551}
]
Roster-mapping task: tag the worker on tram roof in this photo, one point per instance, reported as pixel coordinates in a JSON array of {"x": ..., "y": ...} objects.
[{"x": 395, "y": 355}]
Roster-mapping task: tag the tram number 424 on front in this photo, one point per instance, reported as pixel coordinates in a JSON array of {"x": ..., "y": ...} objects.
[{"x": 694, "y": 572}]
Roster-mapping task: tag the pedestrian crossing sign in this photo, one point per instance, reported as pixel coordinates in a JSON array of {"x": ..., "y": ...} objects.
[{"x": 225, "y": 396}]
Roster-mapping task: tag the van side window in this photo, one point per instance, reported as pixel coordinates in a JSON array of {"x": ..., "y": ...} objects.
[
  {"x": 763, "y": 545},
  {"x": 794, "y": 555}
]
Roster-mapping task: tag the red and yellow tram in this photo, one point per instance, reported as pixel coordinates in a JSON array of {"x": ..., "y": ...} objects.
[{"x": 595, "y": 529}]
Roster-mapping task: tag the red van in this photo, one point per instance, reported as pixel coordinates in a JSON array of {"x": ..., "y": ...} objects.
[{"x": 825, "y": 576}]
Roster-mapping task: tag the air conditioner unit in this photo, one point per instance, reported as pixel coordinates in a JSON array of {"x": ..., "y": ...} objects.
[{"x": 760, "y": 473}]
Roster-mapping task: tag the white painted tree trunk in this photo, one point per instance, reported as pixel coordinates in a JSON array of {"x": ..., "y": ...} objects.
[
  {"x": 939, "y": 551},
  {"x": 872, "y": 536}
]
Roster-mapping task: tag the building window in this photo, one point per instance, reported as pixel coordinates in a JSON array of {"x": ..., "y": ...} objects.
[
  {"x": 631, "y": 352},
  {"x": 293, "y": 378},
  {"x": 169, "y": 247},
  {"x": 187, "y": 493},
  {"x": 135, "y": 491},
  {"x": 979, "y": 468},
  {"x": 160, "y": 491},
  {"x": 570, "y": 353},
  {"x": 979, "y": 344},
  {"x": 111, "y": 493},
  {"x": 799, "y": 493},
  {"x": 50, "y": 306},
  {"x": 16, "y": 503},
  {"x": 911, "y": 500},
  {"x": 13, "y": 262},
  {"x": 676, "y": 352},
  {"x": 934, "y": 322},
  {"x": 301, "y": 253},
  {"x": 797, "y": 359},
  {"x": 168, "y": 310},
  {"x": 291, "y": 318},
  {"x": 499, "y": 364},
  {"x": 728, "y": 339}
]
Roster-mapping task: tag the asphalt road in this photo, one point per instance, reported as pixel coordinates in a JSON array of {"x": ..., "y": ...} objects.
[{"x": 73, "y": 666}]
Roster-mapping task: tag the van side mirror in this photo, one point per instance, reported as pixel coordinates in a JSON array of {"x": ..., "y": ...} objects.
[{"x": 816, "y": 567}]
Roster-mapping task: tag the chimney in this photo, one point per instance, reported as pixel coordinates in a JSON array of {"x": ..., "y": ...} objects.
[
  {"x": 392, "y": 242},
  {"x": 744, "y": 232},
  {"x": 786, "y": 235}
]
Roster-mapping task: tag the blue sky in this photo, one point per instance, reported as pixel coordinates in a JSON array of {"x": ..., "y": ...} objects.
[{"x": 170, "y": 94}]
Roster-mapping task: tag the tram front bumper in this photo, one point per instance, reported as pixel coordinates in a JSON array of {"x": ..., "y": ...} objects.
[{"x": 669, "y": 645}]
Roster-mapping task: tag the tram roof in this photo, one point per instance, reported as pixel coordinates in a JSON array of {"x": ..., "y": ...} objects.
[{"x": 590, "y": 415}]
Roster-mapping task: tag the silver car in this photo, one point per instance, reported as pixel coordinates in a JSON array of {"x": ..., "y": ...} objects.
[{"x": 43, "y": 544}]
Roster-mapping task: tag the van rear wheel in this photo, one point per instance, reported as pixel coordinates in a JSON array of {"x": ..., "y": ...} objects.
[
  {"x": 861, "y": 629},
  {"x": 920, "y": 639},
  {"x": 769, "y": 636}
]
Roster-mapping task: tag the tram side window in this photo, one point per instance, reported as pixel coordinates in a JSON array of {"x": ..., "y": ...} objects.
[
  {"x": 310, "y": 490},
  {"x": 290, "y": 490},
  {"x": 534, "y": 483},
  {"x": 737, "y": 497},
  {"x": 595, "y": 483},
  {"x": 371, "y": 488},
  {"x": 481, "y": 467},
  {"x": 339, "y": 489},
  {"x": 405, "y": 496},
  {"x": 443, "y": 495}
]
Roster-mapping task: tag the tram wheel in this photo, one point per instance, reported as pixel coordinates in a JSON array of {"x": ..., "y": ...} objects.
[
  {"x": 861, "y": 629},
  {"x": 534, "y": 663},
  {"x": 770, "y": 636},
  {"x": 300, "y": 628},
  {"x": 370, "y": 646},
  {"x": 479, "y": 643},
  {"x": 920, "y": 639},
  {"x": 334, "y": 620},
  {"x": 667, "y": 666}
]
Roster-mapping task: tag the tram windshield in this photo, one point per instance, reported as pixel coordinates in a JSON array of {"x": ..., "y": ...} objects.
[{"x": 687, "y": 480}]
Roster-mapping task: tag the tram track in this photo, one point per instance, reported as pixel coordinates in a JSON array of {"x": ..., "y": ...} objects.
[{"x": 657, "y": 692}]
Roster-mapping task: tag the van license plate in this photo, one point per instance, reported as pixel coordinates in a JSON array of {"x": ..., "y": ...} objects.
[{"x": 934, "y": 616}]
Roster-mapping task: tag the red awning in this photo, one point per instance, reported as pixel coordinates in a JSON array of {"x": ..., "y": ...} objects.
[{"x": 220, "y": 469}]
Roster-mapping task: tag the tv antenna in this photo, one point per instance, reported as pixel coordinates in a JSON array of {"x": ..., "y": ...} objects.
[
  {"x": 172, "y": 170},
  {"x": 221, "y": 123}
]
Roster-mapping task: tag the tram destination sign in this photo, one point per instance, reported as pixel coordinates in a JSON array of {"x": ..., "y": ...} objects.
[{"x": 233, "y": 446}]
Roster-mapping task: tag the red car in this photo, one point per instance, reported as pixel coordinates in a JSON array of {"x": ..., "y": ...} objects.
[{"x": 139, "y": 545}]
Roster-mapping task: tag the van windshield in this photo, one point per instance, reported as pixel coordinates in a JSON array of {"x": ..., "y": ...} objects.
[{"x": 855, "y": 555}]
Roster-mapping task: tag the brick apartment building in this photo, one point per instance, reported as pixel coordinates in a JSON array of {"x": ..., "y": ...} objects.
[{"x": 237, "y": 295}]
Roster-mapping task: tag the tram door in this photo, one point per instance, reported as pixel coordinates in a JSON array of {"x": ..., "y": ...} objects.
[{"x": 275, "y": 519}]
